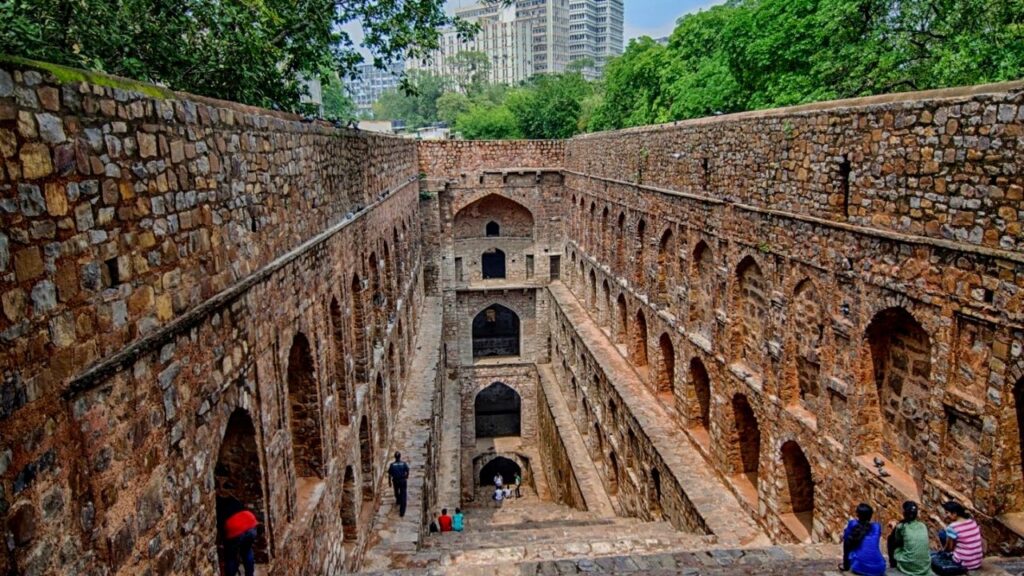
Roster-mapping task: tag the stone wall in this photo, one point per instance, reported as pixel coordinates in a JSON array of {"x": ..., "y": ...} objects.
[
  {"x": 161, "y": 257},
  {"x": 893, "y": 332},
  {"x": 453, "y": 159},
  {"x": 560, "y": 470}
]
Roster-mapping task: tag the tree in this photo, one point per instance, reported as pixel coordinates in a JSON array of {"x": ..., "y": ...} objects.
[
  {"x": 549, "y": 105},
  {"x": 470, "y": 71},
  {"x": 488, "y": 122},
  {"x": 337, "y": 103},
  {"x": 416, "y": 106},
  {"x": 450, "y": 105},
  {"x": 252, "y": 51}
]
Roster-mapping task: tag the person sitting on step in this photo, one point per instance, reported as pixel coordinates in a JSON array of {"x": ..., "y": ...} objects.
[
  {"x": 861, "y": 552},
  {"x": 908, "y": 543},
  {"x": 445, "y": 521},
  {"x": 960, "y": 542},
  {"x": 457, "y": 520}
]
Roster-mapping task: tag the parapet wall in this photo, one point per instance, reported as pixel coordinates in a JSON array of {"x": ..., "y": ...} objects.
[
  {"x": 942, "y": 164},
  {"x": 199, "y": 298},
  {"x": 451, "y": 158}
]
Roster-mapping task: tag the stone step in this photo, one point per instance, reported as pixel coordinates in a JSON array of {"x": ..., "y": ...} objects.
[{"x": 563, "y": 534}]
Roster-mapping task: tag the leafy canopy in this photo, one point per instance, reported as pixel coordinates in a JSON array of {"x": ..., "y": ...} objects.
[{"x": 252, "y": 51}]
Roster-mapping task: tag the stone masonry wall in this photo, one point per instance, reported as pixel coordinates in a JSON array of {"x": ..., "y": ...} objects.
[
  {"x": 450, "y": 159},
  {"x": 160, "y": 257},
  {"x": 896, "y": 331}
]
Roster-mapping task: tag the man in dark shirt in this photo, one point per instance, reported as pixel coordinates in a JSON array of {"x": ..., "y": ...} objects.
[{"x": 398, "y": 476}]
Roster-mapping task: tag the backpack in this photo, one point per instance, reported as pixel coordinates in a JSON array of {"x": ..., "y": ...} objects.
[
  {"x": 943, "y": 564},
  {"x": 433, "y": 527}
]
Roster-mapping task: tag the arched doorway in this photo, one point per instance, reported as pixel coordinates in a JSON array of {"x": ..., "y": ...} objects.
[
  {"x": 638, "y": 255},
  {"x": 620, "y": 326},
  {"x": 667, "y": 369},
  {"x": 701, "y": 415},
  {"x": 238, "y": 479},
  {"x": 497, "y": 410},
  {"x": 701, "y": 289},
  {"x": 638, "y": 354},
  {"x": 340, "y": 379},
  {"x": 366, "y": 457},
  {"x": 797, "y": 497},
  {"x": 613, "y": 473},
  {"x": 304, "y": 410},
  {"x": 666, "y": 254},
  {"x": 499, "y": 465},
  {"x": 492, "y": 229},
  {"x": 495, "y": 332},
  {"x": 900, "y": 363},
  {"x": 751, "y": 311},
  {"x": 746, "y": 446},
  {"x": 493, "y": 264},
  {"x": 349, "y": 503},
  {"x": 359, "y": 325}
]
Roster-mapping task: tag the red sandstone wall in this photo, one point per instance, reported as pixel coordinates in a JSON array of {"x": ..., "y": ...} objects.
[{"x": 121, "y": 217}]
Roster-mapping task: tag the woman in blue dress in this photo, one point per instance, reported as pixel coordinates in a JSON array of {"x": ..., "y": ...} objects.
[{"x": 861, "y": 551}]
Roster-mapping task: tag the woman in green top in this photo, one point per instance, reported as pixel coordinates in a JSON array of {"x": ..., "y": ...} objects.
[{"x": 908, "y": 544}]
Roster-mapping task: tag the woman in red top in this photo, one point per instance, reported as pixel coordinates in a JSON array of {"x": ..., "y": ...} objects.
[
  {"x": 445, "y": 521},
  {"x": 239, "y": 525}
]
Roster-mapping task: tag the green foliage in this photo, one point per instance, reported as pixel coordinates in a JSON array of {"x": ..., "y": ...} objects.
[
  {"x": 338, "y": 105},
  {"x": 417, "y": 105},
  {"x": 450, "y": 105},
  {"x": 750, "y": 54},
  {"x": 252, "y": 51},
  {"x": 550, "y": 105},
  {"x": 488, "y": 122},
  {"x": 469, "y": 71}
]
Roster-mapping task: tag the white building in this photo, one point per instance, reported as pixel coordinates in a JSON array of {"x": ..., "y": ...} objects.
[
  {"x": 366, "y": 88},
  {"x": 527, "y": 38},
  {"x": 595, "y": 32}
]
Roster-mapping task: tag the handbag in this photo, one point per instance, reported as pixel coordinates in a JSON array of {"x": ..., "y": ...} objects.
[{"x": 943, "y": 564}]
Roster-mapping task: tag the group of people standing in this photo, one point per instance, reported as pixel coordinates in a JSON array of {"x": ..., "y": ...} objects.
[
  {"x": 960, "y": 544},
  {"x": 503, "y": 491}
]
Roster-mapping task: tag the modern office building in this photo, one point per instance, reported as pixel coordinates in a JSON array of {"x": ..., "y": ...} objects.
[
  {"x": 370, "y": 83},
  {"x": 595, "y": 32}
]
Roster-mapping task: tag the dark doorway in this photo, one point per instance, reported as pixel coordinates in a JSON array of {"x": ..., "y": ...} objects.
[
  {"x": 497, "y": 408},
  {"x": 239, "y": 479},
  {"x": 493, "y": 263},
  {"x": 493, "y": 229},
  {"x": 500, "y": 465},
  {"x": 496, "y": 332}
]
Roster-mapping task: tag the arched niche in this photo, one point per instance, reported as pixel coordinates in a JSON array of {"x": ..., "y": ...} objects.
[
  {"x": 498, "y": 411},
  {"x": 510, "y": 217},
  {"x": 304, "y": 410},
  {"x": 496, "y": 332},
  {"x": 506, "y": 467},
  {"x": 238, "y": 477}
]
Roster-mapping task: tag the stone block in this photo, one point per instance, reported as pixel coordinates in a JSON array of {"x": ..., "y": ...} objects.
[
  {"x": 28, "y": 263},
  {"x": 35, "y": 160}
]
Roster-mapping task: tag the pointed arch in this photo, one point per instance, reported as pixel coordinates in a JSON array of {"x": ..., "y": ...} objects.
[
  {"x": 666, "y": 256},
  {"x": 606, "y": 293},
  {"x": 498, "y": 411},
  {"x": 665, "y": 385},
  {"x": 304, "y": 410},
  {"x": 620, "y": 243},
  {"x": 898, "y": 353},
  {"x": 492, "y": 229},
  {"x": 592, "y": 293},
  {"x": 604, "y": 233},
  {"x": 621, "y": 330},
  {"x": 750, "y": 311},
  {"x": 745, "y": 443},
  {"x": 638, "y": 253},
  {"x": 809, "y": 333},
  {"x": 238, "y": 478},
  {"x": 340, "y": 374},
  {"x": 496, "y": 332},
  {"x": 366, "y": 451},
  {"x": 638, "y": 350},
  {"x": 349, "y": 506},
  {"x": 510, "y": 219},
  {"x": 797, "y": 492},
  {"x": 700, "y": 416},
  {"x": 701, "y": 291},
  {"x": 359, "y": 327}
]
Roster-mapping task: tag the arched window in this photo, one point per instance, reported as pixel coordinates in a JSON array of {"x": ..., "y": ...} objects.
[
  {"x": 621, "y": 329},
  {"x": 666, "y": 254},
  {"x": 498, "y": 410},
  {"x": 702, "y": 290},
  {"x": 239, "y": 479},
  {"x": 797, "y": 494},
  {"x": 900, "y": 354},
  {"x": 493, "y": 264},
  {"x": 304, "y": 414},
  {"x": 638, "y": 255},
  {"x": 493, "y": 229},
  {"x": 808, "y": 320},
  {"x": 620, "y": 242},
  {"x": 496, "y": 332},
  {"x": 592, "y": 295}
]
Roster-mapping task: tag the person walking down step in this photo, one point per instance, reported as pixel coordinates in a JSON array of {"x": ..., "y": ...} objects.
[
  {"x": 398, "y": 478},
  {"x": 238, "y": 525},
  {"x": 861, "y": 552}
]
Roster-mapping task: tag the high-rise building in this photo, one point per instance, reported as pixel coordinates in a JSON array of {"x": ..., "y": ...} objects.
[
  {"x": 529, "y": 37},
  {"x": 595, "y": 32},
  {"x": 370, "y": 83}
]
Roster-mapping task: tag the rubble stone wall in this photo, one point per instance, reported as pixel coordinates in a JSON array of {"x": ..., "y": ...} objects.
[{"x": 160, "y": 257}]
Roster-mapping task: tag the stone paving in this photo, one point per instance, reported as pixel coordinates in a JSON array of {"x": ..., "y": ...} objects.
[{"x": 395, "y": 537}]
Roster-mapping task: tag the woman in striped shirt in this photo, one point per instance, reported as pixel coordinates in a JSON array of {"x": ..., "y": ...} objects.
[{"x": 962, "y": 537}]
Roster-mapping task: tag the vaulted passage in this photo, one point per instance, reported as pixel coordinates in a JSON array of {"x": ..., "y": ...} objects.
[
  {"x": 239, "y": 480},
  {"x": 304, "y": 416},
  {"x": 495, "y": 332},
  {"x": 500, "y": 465},
  {"x": 745, "y": 449},
  {"x": 366, "y": 457},
  {"x": 493, "y": 215},
  {"x": 498, "y": 411}
]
